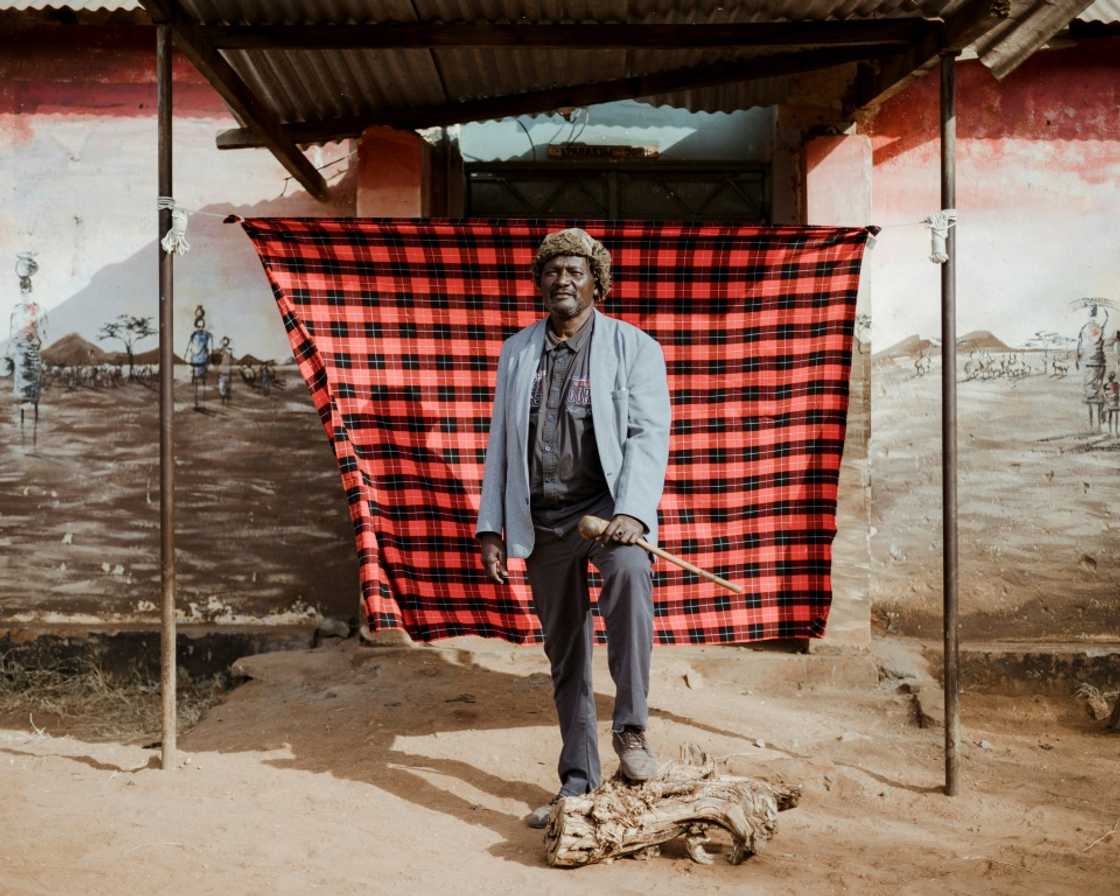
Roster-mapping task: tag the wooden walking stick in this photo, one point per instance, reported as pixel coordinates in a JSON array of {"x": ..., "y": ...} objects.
[{"x": 594, "y": 526}]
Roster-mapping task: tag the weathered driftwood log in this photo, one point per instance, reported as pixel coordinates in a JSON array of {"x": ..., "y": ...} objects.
[{"x": 683, "y": 800}]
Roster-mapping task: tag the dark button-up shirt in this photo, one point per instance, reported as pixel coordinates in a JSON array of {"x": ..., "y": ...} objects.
[{"x": 565, "y": 474}]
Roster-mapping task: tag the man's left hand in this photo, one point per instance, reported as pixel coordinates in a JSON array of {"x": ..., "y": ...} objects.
[{"x": 623, "y": 529}]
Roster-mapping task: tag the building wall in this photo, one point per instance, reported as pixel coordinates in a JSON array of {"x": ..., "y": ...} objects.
[
  {"x": 837, "y": 192},
  {"x": 1039, "y": 156},
  {"x": 1038, "y": 187},
  {"x": 263, "y": 533},
  {"x": 79, "y": 503}
]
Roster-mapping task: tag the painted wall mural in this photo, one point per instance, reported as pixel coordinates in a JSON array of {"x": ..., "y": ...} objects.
[
  {"x": 1091, "y": 360},
  {"x": 1039, "y": 443},
  {"x": 1038, "y": 293},
  {"x": 256, "y": 483},
  {"x": 256, "y": 487},
  {"x": 27, "y": 331}
]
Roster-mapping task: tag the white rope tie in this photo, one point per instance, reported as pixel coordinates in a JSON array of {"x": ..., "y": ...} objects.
[
  {"x": 174, "y": 241},
  {"x": 939, "y": 225}
]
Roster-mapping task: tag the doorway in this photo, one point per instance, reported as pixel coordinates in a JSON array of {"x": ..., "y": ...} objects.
[{"x": 687, "y": 191}]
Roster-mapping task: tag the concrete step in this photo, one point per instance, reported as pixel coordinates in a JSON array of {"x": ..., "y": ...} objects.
[
  {"x": 1056, "y": 668},
  {"x": 201, "y": 650},
  {"x": 204, "y": 650},
  {"x": 765, "y": 666}
]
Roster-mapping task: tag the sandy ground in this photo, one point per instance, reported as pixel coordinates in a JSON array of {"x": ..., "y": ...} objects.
[
  {"x": 354, "y": 769},
  {"x": 79, "y": 507},
  {"x": 1039, "y": 506}
]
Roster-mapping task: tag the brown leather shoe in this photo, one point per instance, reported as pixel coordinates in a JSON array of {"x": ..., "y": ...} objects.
[
  {"x": 538, "y": 818},
  {"x": 636, "y": 759}
]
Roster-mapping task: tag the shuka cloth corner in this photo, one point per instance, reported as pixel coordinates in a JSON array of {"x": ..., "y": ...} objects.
[{"x": 397, "y": 324}]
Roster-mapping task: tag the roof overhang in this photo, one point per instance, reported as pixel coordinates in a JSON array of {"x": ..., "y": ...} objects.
[{"x": 302, "y": 72}]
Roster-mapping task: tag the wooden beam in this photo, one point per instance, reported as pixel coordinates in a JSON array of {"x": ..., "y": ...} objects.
[
  {"x": 410, "y": 35},
  {"x": 267, "y": 129},
  {"x": 970, "y": 22},
  {"x": 557, "y": 97}
]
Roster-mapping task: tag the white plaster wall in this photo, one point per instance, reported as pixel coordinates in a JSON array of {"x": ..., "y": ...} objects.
[
  {"x": 80, "y": 190},
  {"x": 1050, "y": 237},
  {"x": 1038, "y": 199}
]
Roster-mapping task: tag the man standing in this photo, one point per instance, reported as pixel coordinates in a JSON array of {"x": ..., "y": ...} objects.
[{"x": 581, "y": 426}]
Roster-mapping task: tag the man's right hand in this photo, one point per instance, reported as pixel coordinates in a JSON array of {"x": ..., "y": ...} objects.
[{"x": 494, "y": 557}]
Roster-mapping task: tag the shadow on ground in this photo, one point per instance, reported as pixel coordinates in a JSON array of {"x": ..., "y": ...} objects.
[{"x": 355, "y": 715}]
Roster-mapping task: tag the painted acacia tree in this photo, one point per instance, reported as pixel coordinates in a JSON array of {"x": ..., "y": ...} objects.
[{"x": 128, "y": 329}]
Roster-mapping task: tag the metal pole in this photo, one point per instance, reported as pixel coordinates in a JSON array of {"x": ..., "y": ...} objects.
[
  {"x": 166, "y": 405},
  {"x": 949, "y": 426}
]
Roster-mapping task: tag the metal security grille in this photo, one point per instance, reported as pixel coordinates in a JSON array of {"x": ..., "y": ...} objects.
[{"x": 663, "y": 191}]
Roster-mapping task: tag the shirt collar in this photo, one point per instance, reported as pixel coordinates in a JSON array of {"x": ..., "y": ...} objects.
[{"x": 574, "y": 342}]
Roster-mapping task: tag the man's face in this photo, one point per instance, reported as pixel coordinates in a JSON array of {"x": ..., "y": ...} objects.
[{"x": 567, "y": 286}]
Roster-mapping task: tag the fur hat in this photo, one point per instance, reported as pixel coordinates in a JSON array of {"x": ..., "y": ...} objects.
[{"x": 574, "y": 241}]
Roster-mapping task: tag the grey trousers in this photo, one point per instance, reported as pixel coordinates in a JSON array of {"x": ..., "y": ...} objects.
[{"x": 557, "y": 571}]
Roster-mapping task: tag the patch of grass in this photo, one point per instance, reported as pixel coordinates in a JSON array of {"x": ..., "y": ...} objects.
[{"x": 81, "y": 699}]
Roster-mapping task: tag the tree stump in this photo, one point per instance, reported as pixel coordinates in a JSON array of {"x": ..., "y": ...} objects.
[{"x": 683, "y": 800}]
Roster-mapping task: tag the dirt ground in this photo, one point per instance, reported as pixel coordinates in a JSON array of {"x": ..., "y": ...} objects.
[
  {"x": 357, "y": 769},
  {"x": 1039, "y": 505}
]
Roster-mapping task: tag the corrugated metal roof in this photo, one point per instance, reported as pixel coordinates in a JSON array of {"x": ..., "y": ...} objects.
[
  {"x": 316, "y": 86},
  {"x": 1009, "y": 44},
  {"x": 80, "y": 6},
  {"x": 303, "y": 86},
  {"x": 1105, "y": 11},
  {"x": 373, "y": 11}
]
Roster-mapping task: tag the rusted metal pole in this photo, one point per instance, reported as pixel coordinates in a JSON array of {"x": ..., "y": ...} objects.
[
  {"x": 166, "y": 404},
  {"x": 949, "y": 425}
]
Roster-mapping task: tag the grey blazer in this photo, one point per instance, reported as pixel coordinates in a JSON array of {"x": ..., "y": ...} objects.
[{"x": 630, "y": 414}]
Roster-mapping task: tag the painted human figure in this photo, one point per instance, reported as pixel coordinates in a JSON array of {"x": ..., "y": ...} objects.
[
  {"x": 1090, "y": 359},
  {"x": 198, "y": 355},
  {"x": 1112, "y": 403},
  {"x": 264, "y": 381},
  {"x": 225, "y": 372},
  {"x": 27, "y": 332}
]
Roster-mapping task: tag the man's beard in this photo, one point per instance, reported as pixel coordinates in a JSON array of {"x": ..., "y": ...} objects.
[{"x": 565, "y": 307}]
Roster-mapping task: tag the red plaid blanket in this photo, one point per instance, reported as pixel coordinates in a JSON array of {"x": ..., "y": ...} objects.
[{"x": 397, "y": 324}]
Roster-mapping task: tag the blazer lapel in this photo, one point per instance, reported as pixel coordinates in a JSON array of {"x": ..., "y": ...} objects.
[
  {"x": 528, "y": 359},
  {"x": 602, "y": 368}
]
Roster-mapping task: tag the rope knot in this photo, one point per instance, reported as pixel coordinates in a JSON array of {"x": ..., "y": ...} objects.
[{"x": 174, "y": 241}]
